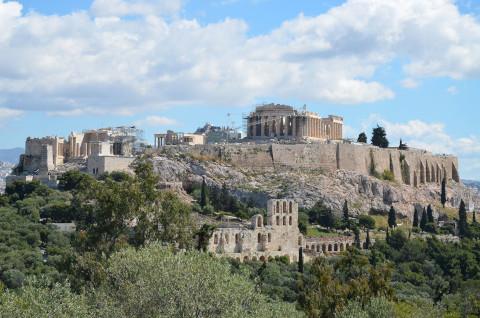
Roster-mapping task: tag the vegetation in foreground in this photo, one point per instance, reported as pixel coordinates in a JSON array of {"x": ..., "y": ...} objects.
[{"x": 134, "y": 255}]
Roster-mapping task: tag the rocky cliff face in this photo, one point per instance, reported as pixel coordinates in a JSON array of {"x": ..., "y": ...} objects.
[{"x": 308, "y": 186}]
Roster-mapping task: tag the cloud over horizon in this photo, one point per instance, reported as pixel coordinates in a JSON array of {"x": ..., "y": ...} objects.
[{"x": 106, "y": 60}]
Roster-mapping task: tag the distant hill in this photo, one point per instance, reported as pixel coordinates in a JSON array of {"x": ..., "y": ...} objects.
[
  {"x": 472, "y": 184},
  {"x": 10, "y": 155}
]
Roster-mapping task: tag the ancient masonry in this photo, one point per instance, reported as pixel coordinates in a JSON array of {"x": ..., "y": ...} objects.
[
  {"x": 412, "y": 167},
  {"x": 284, "y": 122},
  {"x": 104, "y": 150},
  {"x": 278, "y": 236}
]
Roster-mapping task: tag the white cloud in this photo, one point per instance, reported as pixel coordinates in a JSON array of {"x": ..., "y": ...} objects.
[
  {"x": 7, "y": 115},
  {"x": 103, "y": 60},
  {"x": 452, "y": 90},
  {"x": 119, "y": 8},
  {"x": 410, "y": 83},
  {"x": 155, "y": 121}
]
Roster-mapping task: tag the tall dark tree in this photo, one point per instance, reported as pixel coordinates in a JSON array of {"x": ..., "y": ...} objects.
[
  {"x": 346, "y": 215},
  {"x": 379, "y": 137},
  {"x": 430, "y": 214},
  {"x": 443, "y": 196},
  {"x": 423, "y": 220},
  {"x": 474, "y": 218},
  {"x": 415, "y": 218},
  {"x": 402, "y": 146},
  {"x": 203, "y": 195},
  {"x": 357, "y": 242},
  {"x": 392, "y": 217},
  {"x": 367, "y": 240},
  {"x": 362, "y": 138},
  {"x": 300, "y": 260},
  {"x": 462, "y": 220}
]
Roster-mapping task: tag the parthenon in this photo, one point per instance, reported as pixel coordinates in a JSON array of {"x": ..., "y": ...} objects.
[{"x": 284, "y": 122}]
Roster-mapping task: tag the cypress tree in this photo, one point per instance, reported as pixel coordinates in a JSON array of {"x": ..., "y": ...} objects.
[
  {"x": 462, "y": 220},
  {"x": 474, "y": 219},
  {"x": 367, "y": 240},
  {"x": 423, "y": 220},
  {"x": 415, "y": 218},
  {"x": 203, "y": 195},
  {"x": 429, "y": 214},
  {"x": 357, "y": 242},
  {"x": 392, "y": 217},
  {"x": 443, "y": 196},
  {"x": 346, "y": 216},
  {"x": 300, "y": 260}
]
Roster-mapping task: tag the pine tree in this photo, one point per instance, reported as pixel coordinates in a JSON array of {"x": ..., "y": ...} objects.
[
  {"x": 203, "y": 195},
  {"x": 430, "y": 214},
  {"x": 462, "y": 220},
  {"x": 346, "y": 216},
  {"x": 443, "y": 196},
  {"x": 300, "y": 260},
  {"x": 415, "y": 218},
  {"x": 362, "y": 138},
  {"x": 392, "y": 217},
  {"x": 379, "y": 137},
  {"x": 423, "y": 220},
  {"x": 367, "y": 240}
]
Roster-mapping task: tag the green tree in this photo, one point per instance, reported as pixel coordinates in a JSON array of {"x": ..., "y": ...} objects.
[
  {"x": 346, "y": 215},
  {"x": 397, "y": 239},
  {"x": 415, "y": 218},
  {"x": 357, "y": 242},
  {"x": 44, "y": 299},
  {"x": 362, "y": 137},
  {"x": 379, "y": 137},
  {"x": 71, "y": 180},
  {"x": 474, "y": 218},
  {"x": 366, "y": 222},
  {"x": 462, "y": 220},
  {"x": 423, "y": 220},
  {"x": 203, "y": 195},
  {"x": 300, "y": 260},
  {"x": 443, "y": 196},
  {"x": 392, "y": 217},
  {"x": 157, "y": 282},
  {"x": 367, "y": 240},
  {"x": 430, "y": 218}
]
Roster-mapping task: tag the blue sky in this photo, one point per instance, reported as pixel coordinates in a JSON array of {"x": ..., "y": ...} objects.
[{"x": 412, "y": 66}]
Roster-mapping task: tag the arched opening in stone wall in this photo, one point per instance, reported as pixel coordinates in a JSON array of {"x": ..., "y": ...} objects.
[
  {"x": 329, "y": 247},
  {"x": 245, "y": 259},
  {"x": 259, "y": 221},
  {"x": 259, "y": 238},
  {"x": 335, "y": 247},
  {"x": 290, "y": 207},
  {"x": 347, "y": 246},
  {"x": 341, "y": 247},
  {"x": 284, "y": 220},
  {"x": 318, "y": 248},
  {"x": 455, "y": 176},
  {"x": 307, "y": 247},
  {"x": 290, "y": 220},
  {"x": 227, "y": 238},
  {"x": 324, "y": 248},
  {"x": 254, "y": 258},
  {"x": 284, "y": 207},
  {"x": 278, "y": 220},
  {"x": 237, "y": 238},
  {"x": 269, "y": 237},
  {"x": 278, "y": 207},
  {"x": 262, "y": 259}
]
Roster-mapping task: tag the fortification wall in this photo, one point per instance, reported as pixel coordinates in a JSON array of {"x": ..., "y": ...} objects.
[{"x": 412, "y": 167}]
